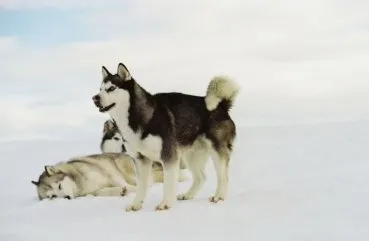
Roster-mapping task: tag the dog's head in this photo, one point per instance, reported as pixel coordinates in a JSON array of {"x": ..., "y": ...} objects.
[
  {"x": 53, "y": 184},
  {"x": 115, "y": 89},
  {"x": 112, "y": 140}
]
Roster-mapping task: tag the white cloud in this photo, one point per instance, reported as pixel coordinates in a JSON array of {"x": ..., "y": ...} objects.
[{"x": 294, "y": 60}]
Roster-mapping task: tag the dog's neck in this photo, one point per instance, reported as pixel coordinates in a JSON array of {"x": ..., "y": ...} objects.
[{"x": 136, "y": 111}]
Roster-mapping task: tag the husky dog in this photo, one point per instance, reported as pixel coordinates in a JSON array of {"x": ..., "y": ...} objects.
[
  {"x": 112, "y": 140},
  {"x": 166, "y": 127},
  {"x": 106, "y": 174},
  {"x": 109, "y": 174}
]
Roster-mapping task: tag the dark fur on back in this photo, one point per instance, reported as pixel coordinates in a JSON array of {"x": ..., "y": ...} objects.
[{"x": 176, "y": 117}]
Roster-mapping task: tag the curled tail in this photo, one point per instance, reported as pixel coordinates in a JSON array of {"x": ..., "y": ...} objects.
[{"x": 222, "y": 90}]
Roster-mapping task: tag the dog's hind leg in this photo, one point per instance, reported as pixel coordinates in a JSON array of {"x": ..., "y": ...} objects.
[
  {"x": 196, "y": 164},
  {"x": 222, "y": 135},
  {"x": 111, "y": 191},
  {"x": 221, "y": 160}
]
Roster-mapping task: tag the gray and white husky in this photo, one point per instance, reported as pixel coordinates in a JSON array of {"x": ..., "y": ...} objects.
[
  {"x": 105, "y": 174},
  {"x": 167, "y": 127}
]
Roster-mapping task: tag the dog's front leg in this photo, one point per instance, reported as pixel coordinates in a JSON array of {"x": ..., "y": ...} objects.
[{"x": 144, "y": 167}]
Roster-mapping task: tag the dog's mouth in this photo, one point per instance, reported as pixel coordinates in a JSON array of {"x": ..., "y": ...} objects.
[{"x": 106, "y": 108}]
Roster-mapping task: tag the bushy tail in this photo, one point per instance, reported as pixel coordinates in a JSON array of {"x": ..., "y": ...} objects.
[
  {"x": 158, "y": 176},
  {"x": 222, "y": 90}
]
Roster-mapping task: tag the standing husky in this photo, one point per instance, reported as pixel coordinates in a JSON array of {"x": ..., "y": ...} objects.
[{"x": 165, "y": 127}]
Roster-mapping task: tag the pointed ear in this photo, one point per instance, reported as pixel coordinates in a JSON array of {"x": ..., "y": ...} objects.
[
  {"x": 105, "y": 72},
  {"x": 123, "y": 72},
  {"x": 108, "y": 125},
  {"x": 49, "y": 170},
  {"x": 35, "y": 183}
]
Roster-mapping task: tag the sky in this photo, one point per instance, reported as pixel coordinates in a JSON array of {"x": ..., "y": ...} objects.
[{"x": 296, "y": 61}]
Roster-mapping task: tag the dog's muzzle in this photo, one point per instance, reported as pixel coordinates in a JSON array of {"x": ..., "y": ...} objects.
[{"x": 96, "y": 99}]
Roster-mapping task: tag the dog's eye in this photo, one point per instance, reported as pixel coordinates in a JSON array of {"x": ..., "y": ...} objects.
[
  {"x": 60, "y": 187},
  {"x": 116, "y": 138},
  {"x": 111, "y": 88}
]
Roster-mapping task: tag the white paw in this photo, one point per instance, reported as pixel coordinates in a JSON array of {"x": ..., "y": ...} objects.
[
  {"x": 134, "y": 207},
  {"x": 163, "y": 206},
  {"x": 216, "y": 199},
  {"x": 184, "y": 197}
]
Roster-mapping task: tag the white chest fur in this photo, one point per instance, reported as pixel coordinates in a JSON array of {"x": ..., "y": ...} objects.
[{"x": 150, "y": 146}]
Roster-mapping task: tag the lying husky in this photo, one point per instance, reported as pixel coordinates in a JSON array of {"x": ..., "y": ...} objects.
[
  {"x": 106, "y": 174},
  {"x": 168, "y": 127},
  {"x": 109, "y": 174}
]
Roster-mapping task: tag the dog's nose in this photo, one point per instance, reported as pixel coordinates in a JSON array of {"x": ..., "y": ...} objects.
[{"x": 96, "y": 98}]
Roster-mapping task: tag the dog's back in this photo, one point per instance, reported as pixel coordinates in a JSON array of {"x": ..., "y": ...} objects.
[
  {"x": 191, "y": 117},
  {"x": 105, "y": 165}
]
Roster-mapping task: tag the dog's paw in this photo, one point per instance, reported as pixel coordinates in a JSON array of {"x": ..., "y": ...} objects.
[
  {"x": 182, "y": 197},
  {"x": 134, "y": 207},
  {"x": 163, "y": 206},
  {"x": 124, "y": 191},
  {"x": 216, "y": 199}
]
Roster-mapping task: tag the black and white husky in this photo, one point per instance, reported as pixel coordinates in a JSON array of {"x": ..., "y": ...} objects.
[
  {"x": 111, "y": 141},
  {"x": 167, "y": 127}
]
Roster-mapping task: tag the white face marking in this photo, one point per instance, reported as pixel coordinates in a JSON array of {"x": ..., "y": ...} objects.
[
  {"x": 60, "y": 189},
  {"x": 111, "y": 94},
  {"x": 113, "y": 145}
]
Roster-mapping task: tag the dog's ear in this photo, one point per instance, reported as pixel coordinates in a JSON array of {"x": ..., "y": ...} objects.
[
  {"x": 49, "y": 170},
  {"x": 123, "y": 72},
  {"x": 108, "y": 125},
  {"x": 105, "y": 72},
  {"x": 35, "y": 183}
]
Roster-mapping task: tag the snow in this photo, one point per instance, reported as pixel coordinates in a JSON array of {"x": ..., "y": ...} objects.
[{"x": 287, "y": 183}]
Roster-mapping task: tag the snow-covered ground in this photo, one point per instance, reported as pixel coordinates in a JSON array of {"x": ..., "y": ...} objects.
[{"x": 287, "y": 183}]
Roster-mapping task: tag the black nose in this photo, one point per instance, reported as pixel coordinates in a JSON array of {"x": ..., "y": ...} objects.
[
  {"x": 68, "y": 197},
  {"x": 96, "y": 98}
]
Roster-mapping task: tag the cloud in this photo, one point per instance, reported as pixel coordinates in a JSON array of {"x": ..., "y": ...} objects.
[{"x": 294, "y": 61}]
